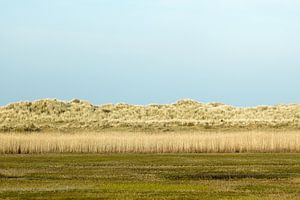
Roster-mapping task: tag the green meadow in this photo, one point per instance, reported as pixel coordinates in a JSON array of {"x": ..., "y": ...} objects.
[{"x": 150, "y": 176}]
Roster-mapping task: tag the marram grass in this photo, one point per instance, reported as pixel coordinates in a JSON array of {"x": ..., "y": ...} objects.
[
  {"x": 54, "y": 115},
  {"x": 118, "y": 142}
]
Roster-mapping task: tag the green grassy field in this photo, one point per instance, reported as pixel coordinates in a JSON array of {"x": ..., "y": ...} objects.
[{"x": 150, "y": 176}]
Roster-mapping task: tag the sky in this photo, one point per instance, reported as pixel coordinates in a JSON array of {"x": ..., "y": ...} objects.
[{"x": 243, "y": 53}]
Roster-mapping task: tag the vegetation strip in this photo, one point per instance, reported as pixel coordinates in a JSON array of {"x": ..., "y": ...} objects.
[{"x": 126, "y": 142}]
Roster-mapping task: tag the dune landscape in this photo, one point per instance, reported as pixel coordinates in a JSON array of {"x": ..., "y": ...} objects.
[
  {"x": 149, "y": 99},
  {"x": 186, "y": 126},
  {"x": 77, "y": 115}
]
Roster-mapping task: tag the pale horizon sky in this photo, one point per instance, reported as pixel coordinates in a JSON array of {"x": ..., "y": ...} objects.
[{"x": 242, "y": 53}]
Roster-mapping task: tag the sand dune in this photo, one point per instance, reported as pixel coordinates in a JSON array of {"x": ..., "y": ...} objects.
[{"x": 55, "y": 115}]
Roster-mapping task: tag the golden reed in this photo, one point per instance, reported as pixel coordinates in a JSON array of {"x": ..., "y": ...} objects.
[{"x": 248, "y": 142}]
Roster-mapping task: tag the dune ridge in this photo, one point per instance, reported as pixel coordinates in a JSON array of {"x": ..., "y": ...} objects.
[{"x": 77, "y": 115}]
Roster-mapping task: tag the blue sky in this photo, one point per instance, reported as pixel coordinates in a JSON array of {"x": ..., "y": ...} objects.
[{"x": 243, "y": 53}]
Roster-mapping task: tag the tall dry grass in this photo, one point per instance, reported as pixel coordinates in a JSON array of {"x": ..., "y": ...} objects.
[{"x": 150, "y": 143}]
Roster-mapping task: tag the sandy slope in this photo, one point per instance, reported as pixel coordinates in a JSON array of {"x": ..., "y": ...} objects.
[{"x": 184, "y": 114}]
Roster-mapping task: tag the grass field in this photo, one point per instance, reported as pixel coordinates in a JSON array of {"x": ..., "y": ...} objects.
[{"x": 150, "y": 176}]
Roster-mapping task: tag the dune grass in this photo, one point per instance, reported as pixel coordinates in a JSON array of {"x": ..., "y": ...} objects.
[
  {"x": 126, "y": 142},
  {"x": 77, "y": 115},
  {"x": 150, "y": 176}
]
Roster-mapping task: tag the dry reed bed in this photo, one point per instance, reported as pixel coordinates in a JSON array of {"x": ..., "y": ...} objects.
[{"x": 14, "y": 143}]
